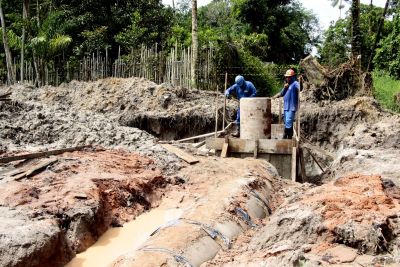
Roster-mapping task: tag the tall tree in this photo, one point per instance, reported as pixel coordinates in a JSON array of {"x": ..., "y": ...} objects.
[
  {"x": 25, "y": 9},
  {"x": 195, "y": 44},
  {"x": 355, "y": 29},
  {"x": 356, "y": 32},
  {"x": 10, "y": 72},
  {"x": 378, "y": 33}
]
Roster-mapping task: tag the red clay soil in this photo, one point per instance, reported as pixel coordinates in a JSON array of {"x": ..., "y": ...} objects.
[
  {"x": 78, "y": 176},
  {"x": 357, "y": 215},
  {"x": 359, "y": 198},
  {"x": 83, "y": 193}
]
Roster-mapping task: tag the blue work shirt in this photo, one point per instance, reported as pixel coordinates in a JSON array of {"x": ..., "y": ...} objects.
[
  {"x": 291, "y": 96},
  {"x": 247, "y": 90}
]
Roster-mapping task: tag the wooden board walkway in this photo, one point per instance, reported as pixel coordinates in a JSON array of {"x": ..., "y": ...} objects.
[{"x": 181, "y": 154}]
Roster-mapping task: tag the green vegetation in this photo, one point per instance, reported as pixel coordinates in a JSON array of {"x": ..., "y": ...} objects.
[
  {"x": 385, "y": 90},
  {"x": 257, "y": 38},
  {"x": 337, "y": 49},
  {"x": 245, "y": 34}
]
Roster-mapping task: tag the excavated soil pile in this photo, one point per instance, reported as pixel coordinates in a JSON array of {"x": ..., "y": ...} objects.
[
  {"x": 354, "y": 220},
  {"x": 163, "y": 110},
  {"x": 63, "y": 210},
  {"x": 361, "y": 136}
]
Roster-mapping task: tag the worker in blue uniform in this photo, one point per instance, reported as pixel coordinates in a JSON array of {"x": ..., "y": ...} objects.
[
  {"x": 241, "y": 89},
  {"x": 290, "y": 94}
]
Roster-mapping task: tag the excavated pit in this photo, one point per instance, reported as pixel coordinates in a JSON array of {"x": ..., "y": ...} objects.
[
  {"x": 349, "y": 136},
  {"x": 172, "y": 128}
]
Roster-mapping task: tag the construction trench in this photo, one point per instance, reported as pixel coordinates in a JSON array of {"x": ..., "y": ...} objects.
[{"x": 117, "y": 196}]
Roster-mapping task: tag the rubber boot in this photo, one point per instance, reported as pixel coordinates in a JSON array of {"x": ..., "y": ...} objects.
[
  {"x": 286, "y": 133},
  {"x": 290, "y": 133},
  {"x": 236, "y": 133}
]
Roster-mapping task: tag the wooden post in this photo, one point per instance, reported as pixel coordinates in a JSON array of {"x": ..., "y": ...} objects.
[
  {"x": 294, "y": 163},
  {"x": 224, "y": 114},
  {"x": 224, "y": 151},
  {"x": 216, "y": 113}
]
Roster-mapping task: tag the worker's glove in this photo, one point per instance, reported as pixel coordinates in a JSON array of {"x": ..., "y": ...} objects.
[{"x": 227, "y": 95}]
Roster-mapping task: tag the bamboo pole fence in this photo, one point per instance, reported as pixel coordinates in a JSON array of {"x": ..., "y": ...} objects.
[{"x": 149, "y": 63}]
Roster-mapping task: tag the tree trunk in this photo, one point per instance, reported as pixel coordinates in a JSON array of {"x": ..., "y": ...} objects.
[
  {"x": 378, "y": 33},
  {"x": 195, "y": 45},
  {"x": 10, "y": 72},
  {"x": 356, "y": 32},
  {"x": 36, "y": 59},
  {"x": 25, "y": 18}
]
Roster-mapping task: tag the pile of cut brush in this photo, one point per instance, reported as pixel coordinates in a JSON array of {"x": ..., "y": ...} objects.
[{"x": 345, "y": 81}]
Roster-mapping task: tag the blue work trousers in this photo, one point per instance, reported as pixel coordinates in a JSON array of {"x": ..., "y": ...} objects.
[{"x": 289, "y": 118}]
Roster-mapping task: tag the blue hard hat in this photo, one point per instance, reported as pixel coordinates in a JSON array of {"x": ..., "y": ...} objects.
[{"x": 239, "y": 80}]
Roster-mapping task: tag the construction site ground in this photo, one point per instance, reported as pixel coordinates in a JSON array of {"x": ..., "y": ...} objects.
[{"x": 217, "y": 212}]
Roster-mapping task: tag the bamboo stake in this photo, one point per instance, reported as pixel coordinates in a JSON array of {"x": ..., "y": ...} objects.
[
  {"x": 216, "y": 113},
  {"x": 224, "y": 114}
]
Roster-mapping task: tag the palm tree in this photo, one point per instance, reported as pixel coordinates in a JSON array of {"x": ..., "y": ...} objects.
[
  {"x": 47, "y": 47},
  {"x": 378, "y": 33},
  {"x": 340, "y": 5},
  {"x": 356, "y": 32}
]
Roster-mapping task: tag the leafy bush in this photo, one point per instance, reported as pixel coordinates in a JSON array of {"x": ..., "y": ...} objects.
[{"x": 258, "y": 72}]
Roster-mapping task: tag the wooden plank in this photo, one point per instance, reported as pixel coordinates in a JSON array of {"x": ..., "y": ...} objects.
[
  {"x": 41, "y": 154},
  {"x": 309, "y": 146},
  {"x": 5, "y": 95},
  {"x": 316, "y": 161},
  {"x": 294, "y": 163},
  {"x": 35, "y": 169},
  {"x": 224, "y": 151},
  {"x": 181, "y": 154},
  {"x": 268, "y": 146},
  {"x": 202, "y": 136},
  {"x": 197, "y": 145}
]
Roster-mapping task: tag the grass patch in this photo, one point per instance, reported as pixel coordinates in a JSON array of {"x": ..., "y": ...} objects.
[{"x": 385, "y": 89}]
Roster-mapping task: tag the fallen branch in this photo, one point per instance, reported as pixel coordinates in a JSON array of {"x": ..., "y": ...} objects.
[{"x": 41, "y": 154}]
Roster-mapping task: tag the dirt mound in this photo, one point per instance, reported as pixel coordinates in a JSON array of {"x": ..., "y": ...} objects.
[
  {"x": 353, "y": 214},
  {"x": 63, "y": 210},
  {"x": 358, "y": 135},
  {"x": 165, "y": 111}
]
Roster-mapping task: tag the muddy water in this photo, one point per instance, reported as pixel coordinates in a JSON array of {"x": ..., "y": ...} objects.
[{"x": 118, "y": 241}]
